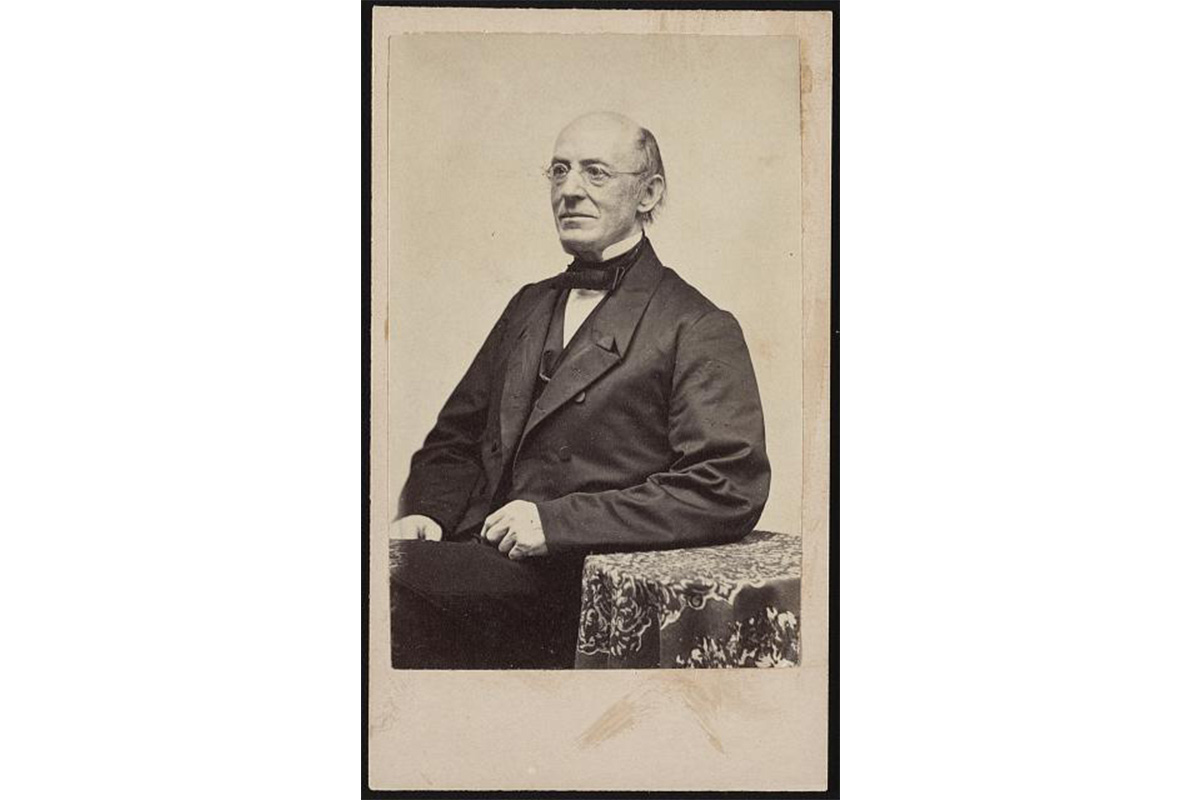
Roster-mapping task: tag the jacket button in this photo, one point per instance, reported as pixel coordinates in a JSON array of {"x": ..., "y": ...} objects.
[
  {"x": 579, "y": 398},
  {"x": 564, "y": 453}
]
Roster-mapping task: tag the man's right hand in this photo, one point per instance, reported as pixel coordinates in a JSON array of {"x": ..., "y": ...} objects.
[{"x": 416, "y": 526}]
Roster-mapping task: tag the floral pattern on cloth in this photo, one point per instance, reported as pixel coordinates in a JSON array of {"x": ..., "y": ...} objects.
[
  {"x": 679, "y": 608},
  {"x": 770, "y": 639}
]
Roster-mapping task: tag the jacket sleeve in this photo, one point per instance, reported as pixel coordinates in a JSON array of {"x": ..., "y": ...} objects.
[
  {"x": 445, "y": 470},
  {"x": 717, "y": 483}
]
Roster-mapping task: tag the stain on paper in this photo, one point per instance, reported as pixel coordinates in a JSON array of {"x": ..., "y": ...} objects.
[{"x": 704, "y": 704}]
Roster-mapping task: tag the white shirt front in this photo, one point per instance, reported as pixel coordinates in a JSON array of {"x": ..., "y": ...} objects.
[{"x": 581, "y": 302}]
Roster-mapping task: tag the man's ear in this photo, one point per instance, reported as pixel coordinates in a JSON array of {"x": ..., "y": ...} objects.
[{"x": 652, "y": 192}]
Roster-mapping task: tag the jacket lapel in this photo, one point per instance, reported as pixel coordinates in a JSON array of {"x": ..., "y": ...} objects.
[
  {"x": 521, "y": 372},
  {"x": 611, "y": 328}
]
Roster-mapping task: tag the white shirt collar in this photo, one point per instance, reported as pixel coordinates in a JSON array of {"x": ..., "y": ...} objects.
[{"x": 623, "y": 246}]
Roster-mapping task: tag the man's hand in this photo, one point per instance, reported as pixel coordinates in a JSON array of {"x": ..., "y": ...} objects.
[
  {"x": 417, "y": 526},
  {"x": 517, "y": 528}
]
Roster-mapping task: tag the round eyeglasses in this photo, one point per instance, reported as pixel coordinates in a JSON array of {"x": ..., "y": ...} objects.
[{"x": 594, "y": 174}]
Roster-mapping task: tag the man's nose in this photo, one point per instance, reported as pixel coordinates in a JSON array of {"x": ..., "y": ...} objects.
[{"x": 572, "y": 185}]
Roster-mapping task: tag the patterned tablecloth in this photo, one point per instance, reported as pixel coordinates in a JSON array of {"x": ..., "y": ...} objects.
[{"x": 735, "y": 605}]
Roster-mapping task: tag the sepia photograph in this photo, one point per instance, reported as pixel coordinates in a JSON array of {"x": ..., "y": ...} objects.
[
  {"x": 585, "y": 400},
  {"x": 599, "y": 386}
]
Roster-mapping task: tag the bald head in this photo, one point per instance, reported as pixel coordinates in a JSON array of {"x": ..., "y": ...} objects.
[
  {"x": 607, "y": 127},
  {"x": 610, "y": 184}
]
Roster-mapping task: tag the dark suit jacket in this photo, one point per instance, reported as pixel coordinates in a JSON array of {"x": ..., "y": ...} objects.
[{"x": 649, "y": 435}]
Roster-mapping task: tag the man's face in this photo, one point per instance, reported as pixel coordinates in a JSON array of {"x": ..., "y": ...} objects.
[{"x": 595, "y": 201}]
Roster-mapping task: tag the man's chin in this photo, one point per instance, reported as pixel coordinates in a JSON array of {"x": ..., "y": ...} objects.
[{"x": 575, "y": 243}]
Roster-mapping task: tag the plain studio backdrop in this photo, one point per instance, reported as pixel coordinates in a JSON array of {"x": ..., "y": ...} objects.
[{"x": 472, "y": 124}]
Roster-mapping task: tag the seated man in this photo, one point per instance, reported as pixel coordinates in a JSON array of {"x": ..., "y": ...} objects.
[{"x": 612, "y": 407}]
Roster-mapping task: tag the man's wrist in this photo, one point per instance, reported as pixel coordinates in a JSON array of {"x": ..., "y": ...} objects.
[{"x": 550, "y": 524}]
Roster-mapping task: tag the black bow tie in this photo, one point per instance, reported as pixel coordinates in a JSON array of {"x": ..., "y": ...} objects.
[{"x": 598, "y": 274}]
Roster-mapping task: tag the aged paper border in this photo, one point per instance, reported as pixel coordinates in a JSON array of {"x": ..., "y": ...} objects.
[{"x": 748, "y": 730}]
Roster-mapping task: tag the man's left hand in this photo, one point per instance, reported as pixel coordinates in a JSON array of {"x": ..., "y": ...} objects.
[{"x": 517, "y": 528}]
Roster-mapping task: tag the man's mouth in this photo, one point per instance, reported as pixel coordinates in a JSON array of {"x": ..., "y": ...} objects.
[{"x": 576, "y": 216}]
